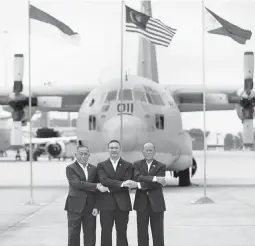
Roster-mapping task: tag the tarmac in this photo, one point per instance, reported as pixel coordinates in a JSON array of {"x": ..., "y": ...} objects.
[{"x": 228, "y": 221}]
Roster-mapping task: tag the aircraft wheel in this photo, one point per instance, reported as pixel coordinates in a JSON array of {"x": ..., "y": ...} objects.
[
  {"x": 184, "y": 177},
  {"x": 194, "y": 167}
]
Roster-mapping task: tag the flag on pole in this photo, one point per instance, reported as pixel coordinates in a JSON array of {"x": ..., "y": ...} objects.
[
  {"x": 153, "y": 29},
  {"x": 37, "y": 14},
  {"x": 226, "y": 28}
]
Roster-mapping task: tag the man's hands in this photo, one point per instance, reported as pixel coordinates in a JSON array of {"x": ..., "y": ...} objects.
[
  {"x": 102, "y": 188},
  {"x": 130, "y": 184},
  {"x": 161, "y": 180},
  {"x": 95, "y": 212}
]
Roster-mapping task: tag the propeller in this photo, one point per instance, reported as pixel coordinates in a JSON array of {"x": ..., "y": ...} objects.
[
  {"x": 248, "y": 100},
  {"x": 18, "y": 102},
  {"x": 245, "y": 100}
]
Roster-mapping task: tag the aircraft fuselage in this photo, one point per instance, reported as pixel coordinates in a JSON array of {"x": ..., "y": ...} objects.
[{"x": 146, "y": 113}]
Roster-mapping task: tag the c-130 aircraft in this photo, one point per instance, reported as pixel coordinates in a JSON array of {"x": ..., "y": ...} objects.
[{"x": 150, "y": 111}]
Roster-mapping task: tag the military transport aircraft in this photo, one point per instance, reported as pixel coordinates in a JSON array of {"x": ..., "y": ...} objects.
[{"x": 146, "y": 111}]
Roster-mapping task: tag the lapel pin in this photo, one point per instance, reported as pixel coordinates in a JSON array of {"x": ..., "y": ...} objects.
[{"x": 153, "y": 165}]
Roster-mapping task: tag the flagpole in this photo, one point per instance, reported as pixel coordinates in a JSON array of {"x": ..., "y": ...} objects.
[
  {"x": 5, "y": 56},
  {"x": 30, "y": 108},
  {"x": 204, "y": 199},
  {"x": 121, "y": 71},
  {"x": 204, "y": 109}
]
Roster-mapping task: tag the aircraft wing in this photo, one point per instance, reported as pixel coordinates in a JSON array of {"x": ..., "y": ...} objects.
[
  {"x": 52, "y": 97},
  {"x": 190, "y": 98},
  {"x": 49, "y": 140}
]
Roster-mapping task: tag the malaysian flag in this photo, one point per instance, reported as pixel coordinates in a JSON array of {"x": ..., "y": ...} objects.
[{"x": 150, "y": 28}]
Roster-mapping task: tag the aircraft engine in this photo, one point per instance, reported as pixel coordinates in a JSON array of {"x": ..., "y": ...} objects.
[
  {"x": 56, "y": 149},
  {"x": 245, "y": 100},
  {"x": 18, "y": 102}
]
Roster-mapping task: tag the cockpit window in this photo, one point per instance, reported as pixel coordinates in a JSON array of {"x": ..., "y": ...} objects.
[
  {"x": 139, "y": 95},
  {"x": 101, "y": 100},
  {"x": 153, "y": 96},
  {"x": 111, "y": 96},
  {"x": 157, "y": 99},
  {"x": 127, "y": 95}
]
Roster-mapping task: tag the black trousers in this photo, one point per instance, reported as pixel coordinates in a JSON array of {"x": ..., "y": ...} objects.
[
  {"x": 88, "y": 222},
  {"x": 107, "y": 218},
  {"x": 156, "y": 223}
]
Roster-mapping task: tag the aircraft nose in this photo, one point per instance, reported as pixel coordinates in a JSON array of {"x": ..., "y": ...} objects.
[{"x": 131, "y": 128}]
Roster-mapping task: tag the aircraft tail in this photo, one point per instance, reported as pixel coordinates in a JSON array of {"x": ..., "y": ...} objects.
[{"x": 147, "y": 60}]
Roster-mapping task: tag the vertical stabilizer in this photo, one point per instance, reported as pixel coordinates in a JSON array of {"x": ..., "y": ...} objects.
[{"x": 147, "y": 60}]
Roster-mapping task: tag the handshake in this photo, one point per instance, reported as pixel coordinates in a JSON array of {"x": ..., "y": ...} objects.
[
  {"x": 161, "y": 180},
  {"x": 102, "y": 188},
  {"x": 132, "y": 184}
]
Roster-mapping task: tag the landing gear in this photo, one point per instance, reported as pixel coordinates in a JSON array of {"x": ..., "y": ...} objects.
[
  {"x": 34, "y": 156},
  {"x": 184, "y": 176},
  {"x": 17, "y": 157}
]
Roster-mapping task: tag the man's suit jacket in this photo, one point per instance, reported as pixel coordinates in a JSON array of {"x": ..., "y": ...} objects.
[
  {"x": 150, "y": 189},
  {"x": 112, "y": 179},
  {"x": 82, "y": 193}
]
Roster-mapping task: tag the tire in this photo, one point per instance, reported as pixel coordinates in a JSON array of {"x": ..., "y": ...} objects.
[{"x": 184, "y": 178}]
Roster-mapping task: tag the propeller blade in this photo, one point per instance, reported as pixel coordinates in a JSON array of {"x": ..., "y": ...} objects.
[
  {"x": 16, "y": 134},
  {"x": 248, "y": 71},
  {"x": 248, "y": 133},
  {"x": 18, "y": 73}
]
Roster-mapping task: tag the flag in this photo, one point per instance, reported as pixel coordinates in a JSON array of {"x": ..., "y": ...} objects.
[
  {"x": 37, "y": 14},
  {"x": 228, "y": 29},
  {"x": 150, "y": 28}
]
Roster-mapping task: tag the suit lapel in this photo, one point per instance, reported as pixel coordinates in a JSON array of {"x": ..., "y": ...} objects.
[
  {"x": 153, "y": 167},
  {"x": 119, "y": 168},
  {"x": 89, "y": 172},
  {"x": 80, "y": 171},
  {"x": 144, "y": 167},
  {"x": 109, "y": 168}
]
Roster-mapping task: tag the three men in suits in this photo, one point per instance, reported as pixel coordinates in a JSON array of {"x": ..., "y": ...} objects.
[
  {"x": 114, "y": 205},
  {"x": 81, "y": 199},
  {"x": 149, "y": 199}
]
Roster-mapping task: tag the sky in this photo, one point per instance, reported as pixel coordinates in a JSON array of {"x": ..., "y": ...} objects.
[{"x": 97, "y": 56}]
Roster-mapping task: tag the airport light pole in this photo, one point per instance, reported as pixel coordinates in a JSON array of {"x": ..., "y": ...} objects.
[{"x": 204, "y": 199}]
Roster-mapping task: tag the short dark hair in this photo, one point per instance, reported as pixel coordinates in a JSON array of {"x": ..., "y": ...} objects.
[
  {"x": 114, "y": 141},
  {"x": 82, "y": 146}
]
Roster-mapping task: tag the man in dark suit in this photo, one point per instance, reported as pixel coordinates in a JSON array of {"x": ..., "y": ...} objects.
[
  {"x": 114, "y": 205},
  {"x": 149, "y": 199},
  {"x": 81, "y": 199}
]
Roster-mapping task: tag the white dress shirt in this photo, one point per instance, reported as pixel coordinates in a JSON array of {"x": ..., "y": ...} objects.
[
  {"x": 114, "y": 165},
  {"x": 85, "y": 169},
  {"x": 154, "y": 178}
]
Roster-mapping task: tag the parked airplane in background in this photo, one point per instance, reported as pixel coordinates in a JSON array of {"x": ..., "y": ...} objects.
[
  {"x": 58, "y": 147},
  {"x": 148, "y": 111}
]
